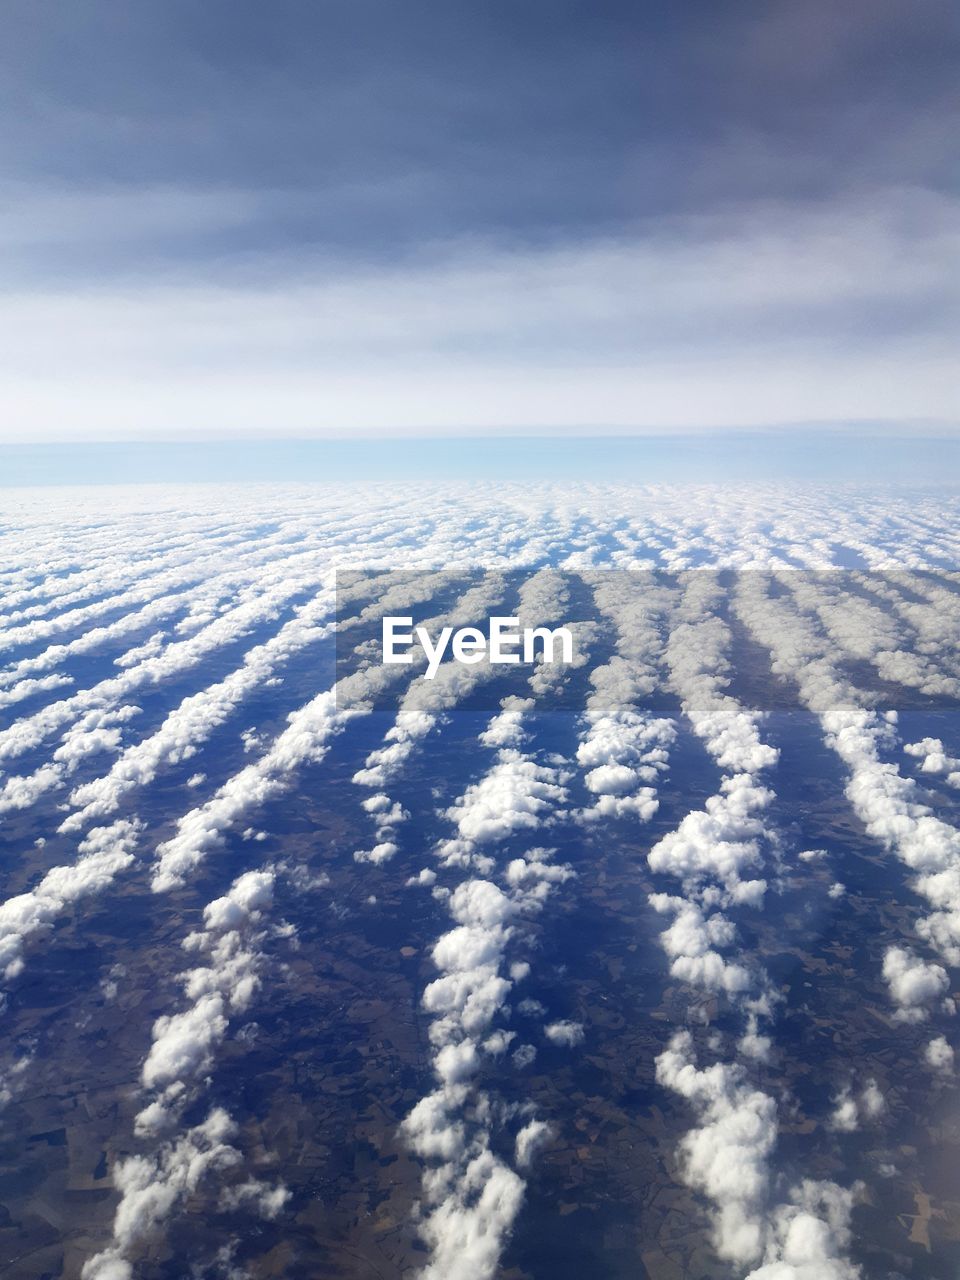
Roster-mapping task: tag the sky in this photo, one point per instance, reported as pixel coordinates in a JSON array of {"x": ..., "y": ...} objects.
[
  {"x": 841, "y": 459},
  {"x": 534, "y": 216}
]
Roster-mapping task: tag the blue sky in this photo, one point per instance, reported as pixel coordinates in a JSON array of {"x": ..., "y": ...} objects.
[
  {"x": 918, "y": 462},
  {"x": 332, "y": 218}
]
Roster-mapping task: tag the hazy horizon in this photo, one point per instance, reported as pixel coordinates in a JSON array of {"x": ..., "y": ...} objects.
[{"x": 823, "y": 457}]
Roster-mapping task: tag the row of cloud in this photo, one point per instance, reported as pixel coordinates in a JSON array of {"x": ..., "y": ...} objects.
[{"x": 717, "y": 856}]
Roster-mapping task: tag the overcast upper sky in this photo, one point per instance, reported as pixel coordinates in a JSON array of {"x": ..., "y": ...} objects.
[{"x": 322, "y": 216}]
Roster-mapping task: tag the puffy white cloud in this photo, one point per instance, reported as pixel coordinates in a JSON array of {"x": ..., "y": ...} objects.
[
  {"x": 691, "y": 942},
  {"x": 433, "y": 1128},
  {"x": 424, "y": 877},
  {"x": 812, "y": 855},
  {"x": 380, "y": 853},
  {"x": 515, "y": 794},
  {"x": 531, "y": 1138},
  {"x": 386, "y": 813},
  {"x": 564, "y": 1033},
  {"x": 27, "y": 688},
  {"x": 182, "y": 1043},
  {"x": 465, "y": 1229},
  {"x": 727, "y": 1158},
  {"x": 499, "y": 1042},
  {"x": 872, "y": 1101},
  {"x": 624, "y": 754},
  {"x": 722, "y": 841},
  {"x": 455, "y": 1063},
  {"x": 935, "y": 759},
  {"x": 939, "y": 1055},
  {"x": 809, "y": 1236},
  {"x": 267, "y": 1200},
  {"x": 22, "y": 792},
  {"x": 152, "y": 1189},
  {"x": 913, "y": 982},
  {"x": 523, "y": 1056},
  {"x": 611, "y": 779},
  {"x": 534, "y": 874},
  {"x": 506, "y": 729},
  {"x": 849, "y": 1109}
]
